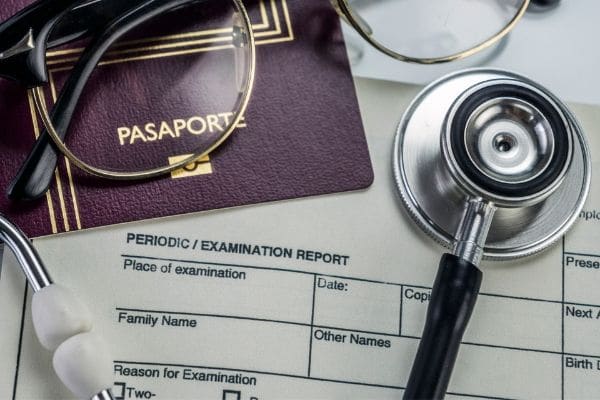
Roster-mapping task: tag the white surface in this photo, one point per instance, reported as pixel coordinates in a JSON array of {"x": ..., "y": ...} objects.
[
  {"x": 558, "y": 48},
  {"x": 57, "y": 315}
]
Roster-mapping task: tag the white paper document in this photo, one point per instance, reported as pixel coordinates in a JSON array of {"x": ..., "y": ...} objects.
[{"x": 315, "y": 298}]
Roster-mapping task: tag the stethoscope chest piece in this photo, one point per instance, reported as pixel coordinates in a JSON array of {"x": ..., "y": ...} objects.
[
  {"x": 489, "y": 164},
  {"x": 499, "y": 138}
]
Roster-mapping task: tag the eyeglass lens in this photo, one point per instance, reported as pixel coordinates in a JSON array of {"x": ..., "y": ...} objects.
[
  {"x": 434, "y": 28},
  {"x": 171, "y": 88}
]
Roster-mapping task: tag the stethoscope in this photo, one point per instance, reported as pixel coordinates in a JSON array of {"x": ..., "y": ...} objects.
[{"x": 489, "y": 164}]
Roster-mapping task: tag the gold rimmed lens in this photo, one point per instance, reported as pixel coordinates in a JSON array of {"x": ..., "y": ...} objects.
[
  {"x": 432, "y": 31},
  {"x": 163, "y": 96}
]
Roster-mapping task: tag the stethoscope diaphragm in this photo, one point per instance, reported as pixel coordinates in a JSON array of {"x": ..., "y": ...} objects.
[{"x": 495, "y": 135}]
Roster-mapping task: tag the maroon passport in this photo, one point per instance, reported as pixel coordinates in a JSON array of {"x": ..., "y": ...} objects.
[{"x": 303, "y": 135}]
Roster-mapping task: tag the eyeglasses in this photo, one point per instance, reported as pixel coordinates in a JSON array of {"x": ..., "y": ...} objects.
[
  {"x": 128, "y": 89},
  {"x": 433, "y": 31}
]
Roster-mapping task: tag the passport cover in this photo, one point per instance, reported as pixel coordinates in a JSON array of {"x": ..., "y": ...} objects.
[{"x": 303, "y": 134}]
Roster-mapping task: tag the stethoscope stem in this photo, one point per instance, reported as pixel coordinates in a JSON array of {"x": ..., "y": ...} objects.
[
  {"x": 473, "y": 230},
  {"x": 452, "y": 301},
  {"x": 453, "y": 298}
]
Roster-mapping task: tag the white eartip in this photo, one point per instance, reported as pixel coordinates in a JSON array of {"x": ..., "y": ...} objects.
[
  {"x": 84, "y": 365},
  {"x": 57, "y": 315}
]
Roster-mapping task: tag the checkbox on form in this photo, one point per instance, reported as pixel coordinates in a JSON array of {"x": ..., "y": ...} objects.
[{"x": 232, "y": 395}]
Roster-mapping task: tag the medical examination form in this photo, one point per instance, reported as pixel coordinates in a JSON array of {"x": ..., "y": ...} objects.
[{"x": 312, "y": 298}]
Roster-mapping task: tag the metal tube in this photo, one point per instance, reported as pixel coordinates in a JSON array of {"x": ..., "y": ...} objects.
[
  {"x": 103, "y": 395},
  {"x": 26, "y": 255},
  {"x": 473, "y": 230}
]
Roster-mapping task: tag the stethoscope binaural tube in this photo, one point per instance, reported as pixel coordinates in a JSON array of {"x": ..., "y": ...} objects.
[
  {"x": 63, "y": 324},
  {"x": 491, "y": 165}
]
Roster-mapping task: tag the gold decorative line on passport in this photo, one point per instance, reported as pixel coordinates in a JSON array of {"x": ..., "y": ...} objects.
[
  {"x": 277, "y": 22},
  {"x": 63, "y": 207},
  {"x": 265, "y": 23},
  {"x": 36, "y": 133},
  {"x": 167, "y": 54},
  {"x": 288, "y": 21},
  {"x": 79, "y": 50},
  {"x": 172, "y": 45},
  {"x": 151, "y": 56},
  {"x": 62, "y": 201},
  {"x": 151, "y": 48},
  {"x": 67, "y": 164},
  {"x": 73, "y": 196}
]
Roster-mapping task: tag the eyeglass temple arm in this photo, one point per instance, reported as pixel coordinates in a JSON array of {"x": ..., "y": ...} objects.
[
  {"x": 26, "y": 34},
  {"x": 86, "y": 19},
  {"x": 35, "y": 175},
  {"x": 46, "y": 24}
]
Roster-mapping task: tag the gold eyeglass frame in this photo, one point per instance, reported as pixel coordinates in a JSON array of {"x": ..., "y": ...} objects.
[
  {"x": 40, "y": 104},
  {"x": 344, "y": 9}
]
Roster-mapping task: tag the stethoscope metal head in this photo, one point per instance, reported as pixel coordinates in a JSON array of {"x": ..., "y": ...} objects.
[{"x": 496, "y": 138}]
